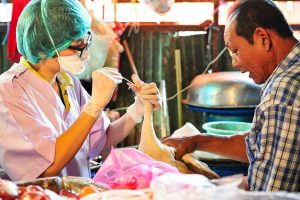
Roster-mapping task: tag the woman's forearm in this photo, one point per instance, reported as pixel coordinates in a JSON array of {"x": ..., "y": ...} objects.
[
  {"x": 119, "y": 130},
  {"x": 69, "y": 143}
]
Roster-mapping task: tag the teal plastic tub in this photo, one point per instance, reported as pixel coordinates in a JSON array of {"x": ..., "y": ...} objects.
[{"x": 226, "y": 127}]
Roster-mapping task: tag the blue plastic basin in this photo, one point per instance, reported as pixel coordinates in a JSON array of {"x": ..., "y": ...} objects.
[{"x": 226, "y": 127}]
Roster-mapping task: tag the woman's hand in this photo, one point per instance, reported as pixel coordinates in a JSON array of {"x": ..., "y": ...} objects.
[
  {"x": 146, "y": 91},
  {"x": 104, "y": 82}
]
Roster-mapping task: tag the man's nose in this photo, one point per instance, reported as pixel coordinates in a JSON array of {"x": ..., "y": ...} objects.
[{"x": 235, "y": 63}]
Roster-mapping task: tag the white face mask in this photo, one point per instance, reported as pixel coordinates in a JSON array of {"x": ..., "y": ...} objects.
[{"x": 74, "y": 64}]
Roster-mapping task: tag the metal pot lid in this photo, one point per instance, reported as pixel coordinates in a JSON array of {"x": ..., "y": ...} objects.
[{"x": 223, "y": 90}]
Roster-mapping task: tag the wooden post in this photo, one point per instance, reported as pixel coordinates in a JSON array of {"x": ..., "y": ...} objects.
[
  {"x": 129, "y": 56},
  {"x": 164, "y": 115},
  {"x": 178, "y": 85}
]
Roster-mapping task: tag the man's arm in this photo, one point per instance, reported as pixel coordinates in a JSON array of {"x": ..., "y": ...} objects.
[{"x": 233, "y": 147}]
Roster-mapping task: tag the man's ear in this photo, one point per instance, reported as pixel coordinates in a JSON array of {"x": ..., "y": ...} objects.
[{"x": 262, "y": 38}]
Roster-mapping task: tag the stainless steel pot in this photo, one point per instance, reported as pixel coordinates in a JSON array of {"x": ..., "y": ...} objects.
[{"x": 223, "y": 90}]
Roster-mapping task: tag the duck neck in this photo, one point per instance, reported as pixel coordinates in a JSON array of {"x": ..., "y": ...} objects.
[{"x": 148, "y": 136}]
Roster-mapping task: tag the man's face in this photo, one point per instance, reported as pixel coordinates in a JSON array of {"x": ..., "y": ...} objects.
[{"x": 251, "y": 58}]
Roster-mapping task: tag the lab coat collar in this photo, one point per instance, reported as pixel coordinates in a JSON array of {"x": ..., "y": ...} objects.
[{"x": 63, "y": 77}]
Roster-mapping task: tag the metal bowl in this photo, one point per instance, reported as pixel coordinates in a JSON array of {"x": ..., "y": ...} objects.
[
  {"x": 72, "y": 184},
  {"x": 223, "y": 90}
]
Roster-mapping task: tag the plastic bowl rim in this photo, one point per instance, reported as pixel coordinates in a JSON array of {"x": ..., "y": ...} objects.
[{"x": 215, "y": 131}]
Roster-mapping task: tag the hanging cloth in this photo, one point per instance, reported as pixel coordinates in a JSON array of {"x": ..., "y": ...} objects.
[{"x": 12, "y": 51}]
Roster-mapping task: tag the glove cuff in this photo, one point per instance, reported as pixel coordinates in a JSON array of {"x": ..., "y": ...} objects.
[
  {"x": 136, "y": 111},
  {"x": 92, "y": 109}
]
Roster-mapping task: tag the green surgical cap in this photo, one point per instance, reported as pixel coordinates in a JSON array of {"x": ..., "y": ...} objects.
[{"x": 62, "y": 21}]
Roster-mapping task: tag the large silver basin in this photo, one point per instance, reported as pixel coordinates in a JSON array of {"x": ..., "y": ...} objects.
[{"x": 223, "y": 90}]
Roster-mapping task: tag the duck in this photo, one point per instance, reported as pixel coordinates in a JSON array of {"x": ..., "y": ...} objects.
[{"x": 152, "y": 146}]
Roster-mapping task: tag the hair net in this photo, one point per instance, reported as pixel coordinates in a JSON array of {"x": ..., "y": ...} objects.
[{"x": 45, "y": 26}]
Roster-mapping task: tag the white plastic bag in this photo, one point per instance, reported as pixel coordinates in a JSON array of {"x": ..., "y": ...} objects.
[{"x": 192, "y": 186}]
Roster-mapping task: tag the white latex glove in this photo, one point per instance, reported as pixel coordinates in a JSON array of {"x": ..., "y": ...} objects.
[
  {"x": 104, "y": 82},
  {"x": 144, "y": 92},
  {"x": 136, "y": 111}
]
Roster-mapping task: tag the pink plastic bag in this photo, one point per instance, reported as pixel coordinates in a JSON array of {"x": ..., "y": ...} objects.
[{"x": 128, "y": 168}]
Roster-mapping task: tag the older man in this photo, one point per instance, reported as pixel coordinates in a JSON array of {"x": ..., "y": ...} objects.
[{"x": 261, "y": 42}]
